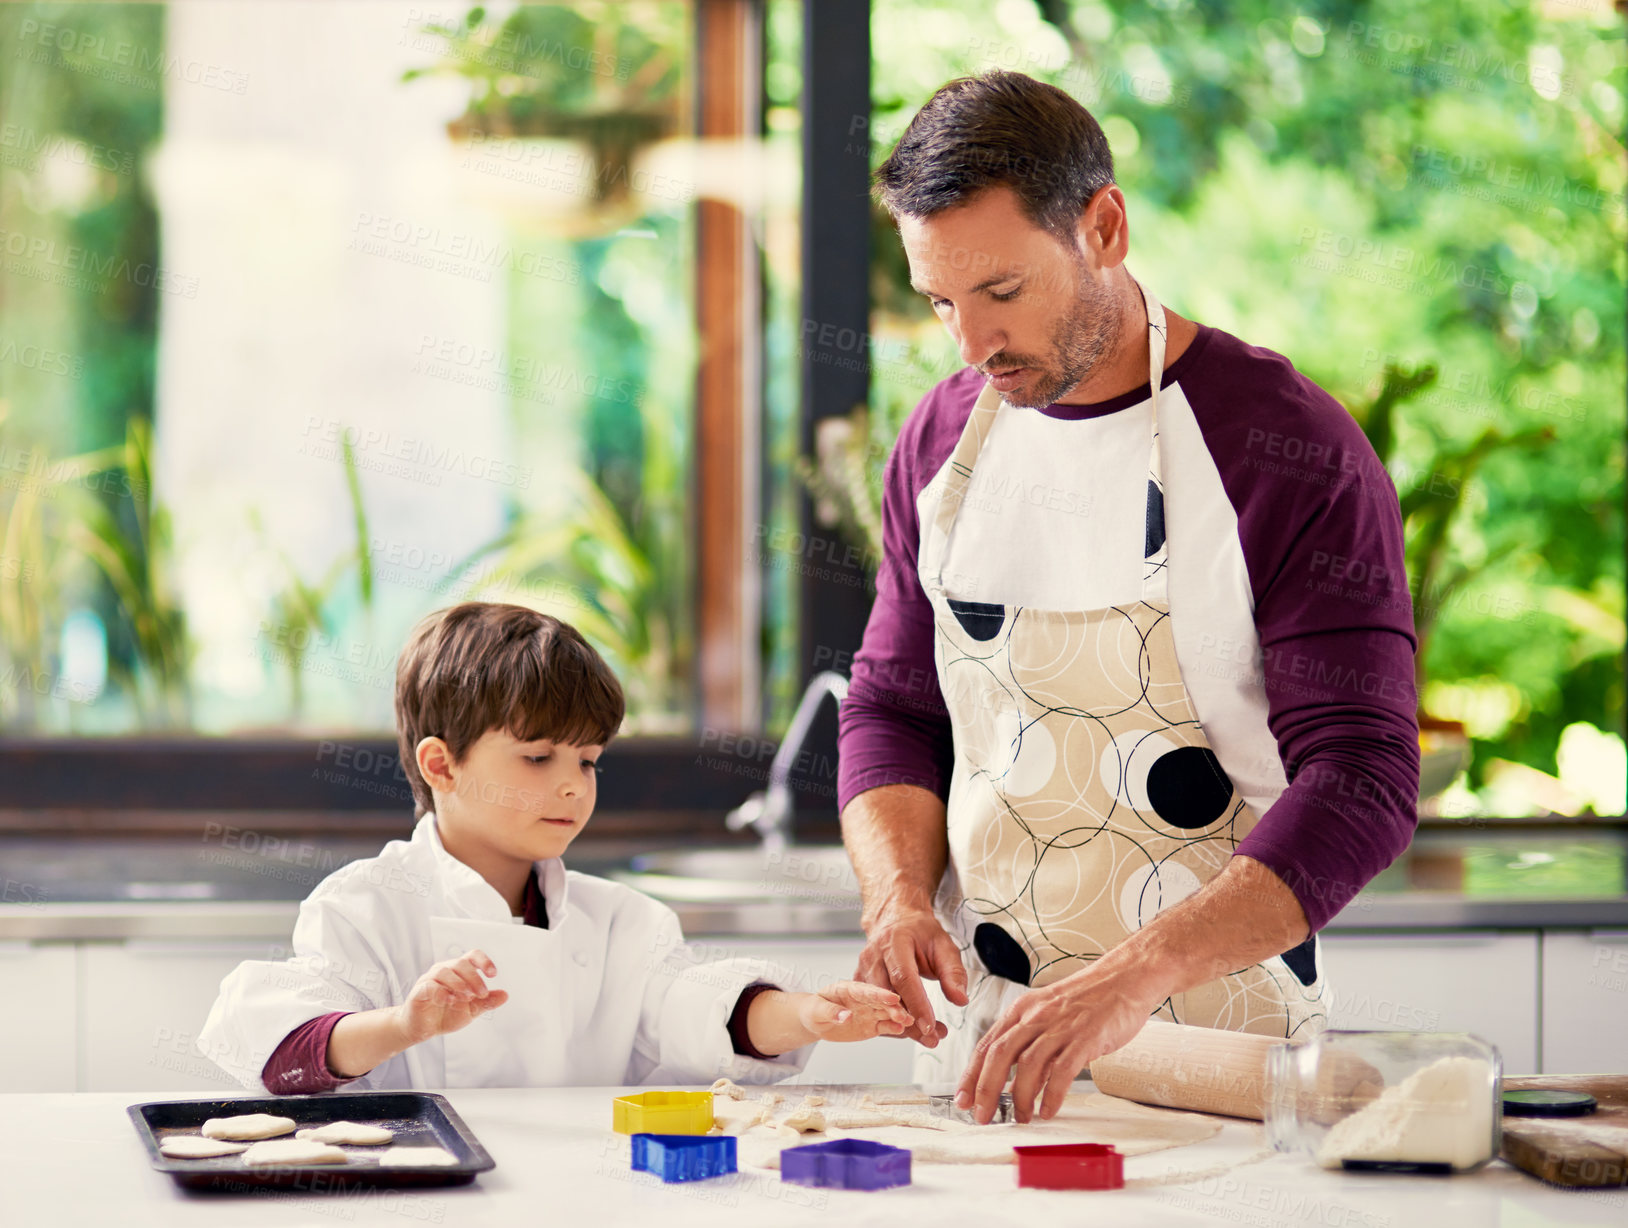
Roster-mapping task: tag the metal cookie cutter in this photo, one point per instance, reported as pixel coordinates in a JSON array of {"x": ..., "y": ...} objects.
[{"x": 944, "y": 1106}]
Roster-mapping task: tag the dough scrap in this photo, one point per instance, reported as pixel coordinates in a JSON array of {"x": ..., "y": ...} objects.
[
  {"x": 900, "y": 1096},
  {"x": 294, "y": 1151},
  {"x": 728, "y": 1088},
  {"x": 248, "y": 1125},
  {"x": 737, "y": 1117},
  {"x": 353, "y": 1132},
  {"x": 196, "y": 1147},
  {"x": 806, "y": 1118},
  {"x": 409, "y": 1157}
]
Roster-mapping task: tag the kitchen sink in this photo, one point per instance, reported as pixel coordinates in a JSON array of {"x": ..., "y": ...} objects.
[{"x": 809, "y": 872}]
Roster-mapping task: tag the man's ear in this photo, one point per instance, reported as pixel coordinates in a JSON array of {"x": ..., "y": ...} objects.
[
  {"x": 435, "y": 764},
  {"x": 1103, "y": 231}
]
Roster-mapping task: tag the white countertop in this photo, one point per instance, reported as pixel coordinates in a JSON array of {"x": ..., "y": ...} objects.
[{"x": 75, "y": 1159}]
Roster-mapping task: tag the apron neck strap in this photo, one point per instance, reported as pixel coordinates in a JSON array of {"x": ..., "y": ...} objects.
[{"x": 1156, "y": 549}]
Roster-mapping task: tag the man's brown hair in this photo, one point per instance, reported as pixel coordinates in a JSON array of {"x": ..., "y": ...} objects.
[
  {"x": 1000, "y": 128},
  {"x": 483, "y": 665}
]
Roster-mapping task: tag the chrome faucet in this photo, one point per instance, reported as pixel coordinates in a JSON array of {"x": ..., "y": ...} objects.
[{"x": 769, "y": 811}]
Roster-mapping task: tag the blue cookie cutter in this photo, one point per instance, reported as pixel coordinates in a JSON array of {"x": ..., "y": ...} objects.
[
  {"x": 684, "y": 1157},
  {"x": 846, "y": 1164}
]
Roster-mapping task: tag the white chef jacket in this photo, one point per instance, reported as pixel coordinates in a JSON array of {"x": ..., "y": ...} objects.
[{"x": 608, "y": 995}]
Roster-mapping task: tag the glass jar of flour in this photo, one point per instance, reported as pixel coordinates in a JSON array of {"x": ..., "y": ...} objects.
[{"x": 1389, "y": 1101}]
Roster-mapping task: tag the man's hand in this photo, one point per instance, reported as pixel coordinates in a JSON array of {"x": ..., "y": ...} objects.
[
  {"x": 901, "y": 948},
  {"x": 449, "y": 997},
  {"x": 1242, "y": 916},
  {"x": 1050, "y": 1034}
]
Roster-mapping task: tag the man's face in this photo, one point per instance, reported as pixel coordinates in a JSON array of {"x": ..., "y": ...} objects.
[
  {"x": 524, "y": 800},
  {"x": 1027, "y": 311}
]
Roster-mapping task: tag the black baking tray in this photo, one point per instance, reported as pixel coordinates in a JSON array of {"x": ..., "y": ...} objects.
[{"x": 418, "y": 1119}]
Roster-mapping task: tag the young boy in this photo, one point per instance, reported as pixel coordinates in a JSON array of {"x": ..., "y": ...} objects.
[{"x": 469, "y": 956}]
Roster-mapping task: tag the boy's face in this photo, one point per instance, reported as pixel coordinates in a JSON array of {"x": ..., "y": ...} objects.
[{"x": 521, "y": 800}]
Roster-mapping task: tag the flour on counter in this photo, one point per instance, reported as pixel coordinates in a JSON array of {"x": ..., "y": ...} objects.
[{"x": 1440, "y": 1114}]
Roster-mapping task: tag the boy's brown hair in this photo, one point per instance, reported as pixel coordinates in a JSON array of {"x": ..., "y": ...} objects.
[{"x": 484, "y": 665}]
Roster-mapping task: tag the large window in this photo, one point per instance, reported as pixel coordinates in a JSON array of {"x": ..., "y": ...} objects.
[
  {"x": 318, "y": 317},
  {"x": 315, "y": 317}
]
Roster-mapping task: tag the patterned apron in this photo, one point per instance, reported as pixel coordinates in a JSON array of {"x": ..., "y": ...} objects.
[{"x": 1085, "y": 798}]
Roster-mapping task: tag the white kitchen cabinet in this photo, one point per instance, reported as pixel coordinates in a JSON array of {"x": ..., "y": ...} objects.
[
  {"x": 39, "y": 1028},
  {"x": 1585, "y": 1002},
  {"x": 1481, "y": 981},
  {"x": 144, "y": 1002},
  {"x": 815, "y": 962}
]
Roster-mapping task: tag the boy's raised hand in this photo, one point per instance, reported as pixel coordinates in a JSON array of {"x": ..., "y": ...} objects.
[
  {"x": 853, "y": 1010},
  {"x": 450, "y": 996}
]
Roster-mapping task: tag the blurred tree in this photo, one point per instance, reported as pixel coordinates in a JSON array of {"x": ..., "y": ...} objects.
[{"x": 1370, "y": 188}]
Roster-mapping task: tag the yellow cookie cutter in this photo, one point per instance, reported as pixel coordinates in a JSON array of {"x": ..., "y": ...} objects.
[{"x": 662, "y": 1113}]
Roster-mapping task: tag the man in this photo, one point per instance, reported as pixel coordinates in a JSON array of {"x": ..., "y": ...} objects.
[{"x": 1134, "y": 715}]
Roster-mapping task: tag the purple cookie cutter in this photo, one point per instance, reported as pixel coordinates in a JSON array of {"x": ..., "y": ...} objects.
[
  {"x": 846, "y": 1164},
  {"x": 684, "y": 1157}
]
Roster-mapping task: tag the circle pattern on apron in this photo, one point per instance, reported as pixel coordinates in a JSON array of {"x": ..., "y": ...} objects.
[{"x": 1085, "y": 799}]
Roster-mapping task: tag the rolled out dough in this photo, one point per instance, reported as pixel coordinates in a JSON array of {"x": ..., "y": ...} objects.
[
  {"x": 293, "y": 1151},
  {"x": 1133, "y": 1129},
  {"x": 248, "y": 1125},
  {"x": 353, "y": 1132},
  {"x": 196, "y": 1147}
]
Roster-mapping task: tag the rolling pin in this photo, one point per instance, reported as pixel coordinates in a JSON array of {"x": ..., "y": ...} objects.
[
  {"x": 1210, "y": 1070},
  {"x": 1175, "y": 1066}
]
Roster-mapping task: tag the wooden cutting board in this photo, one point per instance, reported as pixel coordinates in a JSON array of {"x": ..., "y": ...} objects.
[{"x": 1574, "y": 1151}]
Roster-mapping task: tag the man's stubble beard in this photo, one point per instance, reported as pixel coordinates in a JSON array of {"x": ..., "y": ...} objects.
[{"x": 1086, "y": 335}]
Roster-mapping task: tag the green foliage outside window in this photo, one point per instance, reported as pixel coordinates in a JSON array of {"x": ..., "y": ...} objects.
[{"x": 1422, "y": 207}]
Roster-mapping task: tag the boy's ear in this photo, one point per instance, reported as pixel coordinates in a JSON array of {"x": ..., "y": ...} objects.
[{"x": 435, "y": 764}]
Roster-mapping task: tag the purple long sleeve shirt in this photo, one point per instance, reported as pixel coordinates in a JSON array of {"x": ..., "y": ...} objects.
[{"x": 1320, "y": 533}]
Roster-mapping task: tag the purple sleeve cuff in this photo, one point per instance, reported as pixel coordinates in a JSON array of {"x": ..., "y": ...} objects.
[
  {"x": 893, "y": 728},
  {"x": 739, "y": 1036},
  {"x": 299, "y": 1065}
]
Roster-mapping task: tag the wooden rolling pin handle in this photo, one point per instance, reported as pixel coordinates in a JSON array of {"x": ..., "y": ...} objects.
[{"x": 1175, "y": 1066}]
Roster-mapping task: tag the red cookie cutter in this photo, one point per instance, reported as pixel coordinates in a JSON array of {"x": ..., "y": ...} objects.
[{"x": 1071, "y": 1166}]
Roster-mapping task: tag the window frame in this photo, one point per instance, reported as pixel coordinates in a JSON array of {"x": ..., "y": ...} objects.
[{"x": 160, "y": 785}]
